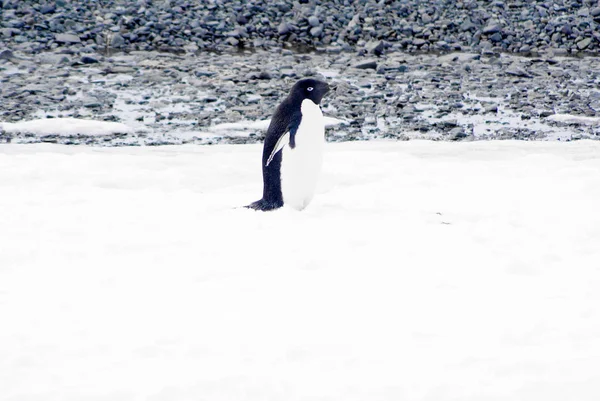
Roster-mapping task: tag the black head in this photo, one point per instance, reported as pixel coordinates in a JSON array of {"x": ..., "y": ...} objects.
[{"x": 312, "y": 89}]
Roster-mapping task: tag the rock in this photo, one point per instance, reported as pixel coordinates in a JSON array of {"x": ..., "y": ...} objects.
[
  {"x": 419, "y": 42},
  {"x": 6, "y": 55},
  {"x": 457, "y": 133},
  {"x": 313, "y": 21},
  {"x": 316, "y": 31},
  {"x": 48, "y": 9},
  {"x": 376, "y": 48},
  {"x": 89, "y": 60},
  {"x": 491, "y": 108},
  {"x": 284, "y": 28},
  {"x": 117, "y": 41},
  {"x": 492, "y": 28},
  {"x": 232, "y": 41},
  {"x": 595, "y": 12},
  {"x": 6, "y": 32},
  {"x": 467, "y": 25},
  {"x": 497, "y": 37},
  {"x": 367, "y": 65},
  {"x": 67, "y": 38},
  {"x": 583, "y": 44},
  {"x": 241, "y": 19},
  {"x": 517, "y": 72},
  {"x": 53, "y": 59}
]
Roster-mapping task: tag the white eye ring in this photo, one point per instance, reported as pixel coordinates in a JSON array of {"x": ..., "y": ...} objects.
[{"x": 310, "y": 88}]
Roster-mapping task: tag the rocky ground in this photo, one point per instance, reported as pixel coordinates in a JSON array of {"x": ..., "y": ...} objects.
[
  {"x": 177, "y": 71},
  {"x": 184, "y": 26}
]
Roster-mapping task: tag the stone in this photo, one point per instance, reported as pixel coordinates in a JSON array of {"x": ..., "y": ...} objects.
[
  {"x": 497, "y": 37},
  {"x": 117, "y": 41},
  {"x": 492, "y": 28},
  {"x": 284, "y": 28},
  {"x": 376, "y": 48},
  {"x": 6, "y": 55},
  {"x": 241, "y": 19},
  {"x": 367, "y": 65},
  {"x": 583, "y": 44},
  {"x": 316, "y": 31},
  {"x": 313, "y": 21},
  {"x": 595, "y": 12},
  {"x": 48, "y": 9},
  {"x": 67, "y": 38},
  {"x": 89, "y": 60}
]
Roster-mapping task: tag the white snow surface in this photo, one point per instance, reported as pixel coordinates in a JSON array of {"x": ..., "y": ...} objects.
[
  {"x": 420, "y": 271},
  {"x": 570, "y": 118},
  {"x": 66, "y": 127}
]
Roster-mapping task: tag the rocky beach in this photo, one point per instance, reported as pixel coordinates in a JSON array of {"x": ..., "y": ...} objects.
[{"x": 212, "y": 71}]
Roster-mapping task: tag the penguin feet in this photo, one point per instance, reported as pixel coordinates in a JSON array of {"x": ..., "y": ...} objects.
[{"x": 264, "y": 205}]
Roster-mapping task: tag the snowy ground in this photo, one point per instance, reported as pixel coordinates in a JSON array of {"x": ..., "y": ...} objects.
[{"x": 421, "y": 271}]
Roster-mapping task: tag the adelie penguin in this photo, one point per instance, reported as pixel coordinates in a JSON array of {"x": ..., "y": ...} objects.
[{"x": 293, "y": 149}]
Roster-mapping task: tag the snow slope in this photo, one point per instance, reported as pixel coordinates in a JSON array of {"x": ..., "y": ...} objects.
[{"x": 421, "y": 271}]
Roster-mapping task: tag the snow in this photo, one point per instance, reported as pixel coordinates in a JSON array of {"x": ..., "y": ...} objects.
[
  {"x": 66, "y": 127},
  {"x": 420, "y": 271},
  {"x": 569, "y": 118}
]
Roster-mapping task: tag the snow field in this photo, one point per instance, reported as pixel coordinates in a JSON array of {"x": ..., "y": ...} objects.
[{"x": 420, "y": 271}]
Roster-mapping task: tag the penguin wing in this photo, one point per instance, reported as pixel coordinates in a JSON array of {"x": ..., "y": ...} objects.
[
  {"x": 281, "y": 142},
  {"x": 282, "y": 130}
]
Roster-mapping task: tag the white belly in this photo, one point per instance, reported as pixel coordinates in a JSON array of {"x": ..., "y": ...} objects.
[{"x": 301, "y": 166}]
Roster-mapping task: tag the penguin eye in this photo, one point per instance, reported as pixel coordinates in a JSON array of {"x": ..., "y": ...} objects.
[{"x": 310, "y": 88}]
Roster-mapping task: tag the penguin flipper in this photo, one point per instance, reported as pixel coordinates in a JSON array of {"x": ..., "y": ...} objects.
[
  {"x": 281, "y": 142},
  {"x": 264, "y": 205}
]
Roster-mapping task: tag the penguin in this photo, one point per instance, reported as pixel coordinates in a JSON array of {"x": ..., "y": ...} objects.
[{"x": 293, "y": 148}]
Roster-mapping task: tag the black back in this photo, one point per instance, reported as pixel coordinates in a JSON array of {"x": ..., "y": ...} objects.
[{"x": 287, "y": 118}]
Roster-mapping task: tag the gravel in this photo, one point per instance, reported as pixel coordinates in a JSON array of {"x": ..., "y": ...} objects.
[{"x": 184, "y": 26}]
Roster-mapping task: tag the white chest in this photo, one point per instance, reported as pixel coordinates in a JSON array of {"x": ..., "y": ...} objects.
[{"x": 301, "y": 166}]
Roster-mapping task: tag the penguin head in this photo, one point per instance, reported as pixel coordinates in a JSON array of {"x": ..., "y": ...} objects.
[{"x": 310, "y": 88}]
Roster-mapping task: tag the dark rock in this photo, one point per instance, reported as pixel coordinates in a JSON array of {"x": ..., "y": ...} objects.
[
  {"x": 6, "y": 55},
  {"x": 457, "y": 133},
  {"x": 241, "y": 19},
  {"x": 367, "y": 65},
  {"x": 89, "y": 60}
]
